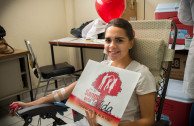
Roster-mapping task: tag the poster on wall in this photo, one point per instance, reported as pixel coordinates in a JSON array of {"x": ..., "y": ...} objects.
[{"x": 104, "y": 89}]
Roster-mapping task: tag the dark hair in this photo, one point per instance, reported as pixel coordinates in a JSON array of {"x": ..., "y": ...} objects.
[{"x": 124, "y": 24}]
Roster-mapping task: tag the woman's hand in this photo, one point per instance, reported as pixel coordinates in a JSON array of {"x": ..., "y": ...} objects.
[
  {"x": 20, "y": 105},
  {"x": 91, "y": 117}
]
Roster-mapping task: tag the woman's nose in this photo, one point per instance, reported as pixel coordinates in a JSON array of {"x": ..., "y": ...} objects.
[{"x": 113, "y": 44}]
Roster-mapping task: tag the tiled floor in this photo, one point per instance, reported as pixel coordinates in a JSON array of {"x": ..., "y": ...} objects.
[{"x": 7, "y": 120}]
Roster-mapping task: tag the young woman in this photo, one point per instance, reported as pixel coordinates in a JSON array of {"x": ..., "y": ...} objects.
[{"x": 140, "y": 110}]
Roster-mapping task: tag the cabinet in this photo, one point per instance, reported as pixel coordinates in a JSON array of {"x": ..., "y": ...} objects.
[
  {"x": 14, "y": 74},
  {"x": 177, "y": 105},
  {"x": 179, "y": 62}
]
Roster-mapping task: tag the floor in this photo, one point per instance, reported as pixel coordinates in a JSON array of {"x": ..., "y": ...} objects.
[{"x": 7, "y": 120}]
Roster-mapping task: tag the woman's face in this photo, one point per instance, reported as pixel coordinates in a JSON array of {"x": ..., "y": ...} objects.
[{"x": 117, "y": 44}]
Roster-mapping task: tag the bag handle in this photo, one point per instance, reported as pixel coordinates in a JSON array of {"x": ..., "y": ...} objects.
[{"x": 12, "y": 49}]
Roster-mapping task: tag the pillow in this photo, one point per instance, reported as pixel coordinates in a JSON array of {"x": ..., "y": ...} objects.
[{"x": 148, "y": 52}]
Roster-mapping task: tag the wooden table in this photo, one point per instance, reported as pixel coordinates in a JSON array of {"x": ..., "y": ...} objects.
[{"x": 77, "y": 43}]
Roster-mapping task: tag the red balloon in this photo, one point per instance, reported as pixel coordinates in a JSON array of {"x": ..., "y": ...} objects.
[{"x": 110, "y": 9}]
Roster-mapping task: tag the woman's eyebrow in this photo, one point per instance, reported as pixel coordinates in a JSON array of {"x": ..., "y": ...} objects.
[
  {"x": 119, "y": 38},
  {"x": 115, "y": 38}
]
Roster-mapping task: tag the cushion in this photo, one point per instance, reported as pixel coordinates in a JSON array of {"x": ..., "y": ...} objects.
[
  {"x": 59, "y": 69},
  {"x": 148, "y": 52}
]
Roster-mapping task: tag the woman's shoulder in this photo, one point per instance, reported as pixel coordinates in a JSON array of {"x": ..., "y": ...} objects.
[
  {"x": 137, "y": 67},
  {"x": 144, "y": 70},
  {"x": 146, "y": 83}
]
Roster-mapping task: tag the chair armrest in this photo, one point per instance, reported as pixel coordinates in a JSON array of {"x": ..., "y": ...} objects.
[
  {"x": 40, "y": 109},
  {"x": 44, "y": 110}
]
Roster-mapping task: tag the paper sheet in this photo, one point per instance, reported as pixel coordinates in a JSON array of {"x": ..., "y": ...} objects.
[{"x": 104, "y": 89}]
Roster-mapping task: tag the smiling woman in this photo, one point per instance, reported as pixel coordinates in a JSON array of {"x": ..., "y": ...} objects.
[
  {"x": 117, "y": 46},
  {"x": 119, "y": 40}
]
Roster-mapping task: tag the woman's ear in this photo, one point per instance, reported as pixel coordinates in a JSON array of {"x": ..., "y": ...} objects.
[
  {"x": 132, "y": 43},
  {"x": 133, "y": 34}
]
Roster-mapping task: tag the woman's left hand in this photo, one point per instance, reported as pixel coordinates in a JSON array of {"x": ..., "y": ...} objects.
[{"x": 91, "y": 117}]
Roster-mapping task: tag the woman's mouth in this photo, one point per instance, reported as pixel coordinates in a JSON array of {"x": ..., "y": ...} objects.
[{"x": 113, "y": 53}]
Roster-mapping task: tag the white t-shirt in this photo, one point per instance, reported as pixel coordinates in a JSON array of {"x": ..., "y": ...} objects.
[{"x": 145, "y": 85}]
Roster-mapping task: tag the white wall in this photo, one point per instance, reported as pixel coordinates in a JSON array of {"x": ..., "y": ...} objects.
[
  {"x": 88, "y": 12},
  {"x": 150, "y": 6},
  {"x": 42, "y": 20},
  {"x": 38, "y": 21}
]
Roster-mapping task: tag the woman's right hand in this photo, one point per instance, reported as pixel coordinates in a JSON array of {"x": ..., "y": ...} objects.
[
  {"x": 20, "y": 106},
  {"x": 91, "y": 117}
]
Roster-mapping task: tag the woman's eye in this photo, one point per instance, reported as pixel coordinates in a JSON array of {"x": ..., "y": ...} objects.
[
  {"x": 107, "y": 40},
  {"x": 119, "y": 40}
]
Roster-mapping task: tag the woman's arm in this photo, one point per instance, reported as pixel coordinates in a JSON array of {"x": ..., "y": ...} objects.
[
  {"x": 50, "y": 97},
  {"x": 46, "y": 99},
  {"x": 147, "y": 108}
]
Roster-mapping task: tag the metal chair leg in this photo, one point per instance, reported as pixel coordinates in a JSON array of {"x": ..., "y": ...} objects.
[
  {"x": 46, "y": 87},
  {"x": 37, "y": 88},
  {"x": 65, "y": 82}
]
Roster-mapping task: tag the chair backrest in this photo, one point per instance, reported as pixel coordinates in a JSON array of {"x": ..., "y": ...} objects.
[
  {"x": 152, "y": 37},
  {"x": 152, "y": 49},
  {"x": 32, "y": 57},
  {"x": 149, "y": 52}
]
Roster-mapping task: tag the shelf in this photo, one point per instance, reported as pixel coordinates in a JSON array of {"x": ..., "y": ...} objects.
[
  {"x": 179, "y": 47},
  {"x": 15, "y": 76}
]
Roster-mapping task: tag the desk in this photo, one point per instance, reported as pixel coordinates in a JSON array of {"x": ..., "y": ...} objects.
[
  {"x": 78, "y": 43},
  {"x": 14, "y": 74}
]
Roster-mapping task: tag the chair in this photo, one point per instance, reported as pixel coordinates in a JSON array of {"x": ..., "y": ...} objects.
[
  {"x": 151, "y": 49},
  {"x": 158, "y": 34},
  {"x": 48, "y": 72}
]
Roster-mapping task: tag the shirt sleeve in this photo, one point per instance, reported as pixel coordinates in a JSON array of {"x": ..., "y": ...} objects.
[
  {"x": 186, "y": 12},
  {"x": 146, "y": 83}
]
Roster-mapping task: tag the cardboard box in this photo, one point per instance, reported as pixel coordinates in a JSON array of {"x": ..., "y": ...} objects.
[
  {"x": 130, "y": 12},
  {"x": 184, "y": 32},
  {"x": 177, "y": 105},
  {"x": 170, "y": 11},
  {"x": 178, "y": 66}
]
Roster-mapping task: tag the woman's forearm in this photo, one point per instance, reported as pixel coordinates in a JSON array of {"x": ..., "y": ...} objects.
[
  {"x": 50, "y": 97},
  {"x": 43, "y": 100}
]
